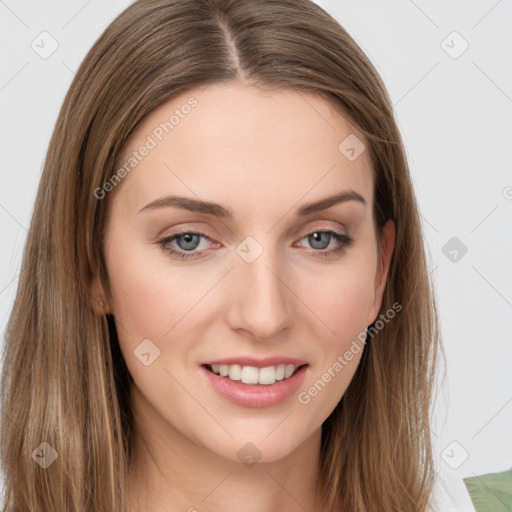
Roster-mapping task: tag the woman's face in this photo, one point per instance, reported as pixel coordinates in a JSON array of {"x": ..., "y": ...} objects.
[{"x": 260, "y": 294}]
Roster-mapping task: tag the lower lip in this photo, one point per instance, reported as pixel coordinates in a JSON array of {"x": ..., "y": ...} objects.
[{"x": 256, "y": 395}]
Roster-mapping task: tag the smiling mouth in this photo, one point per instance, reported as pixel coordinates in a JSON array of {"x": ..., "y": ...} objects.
[{"x": 251, "y": 375}]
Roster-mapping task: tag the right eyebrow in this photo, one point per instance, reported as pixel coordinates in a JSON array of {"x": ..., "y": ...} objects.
[{"x": 193, "y": 205}]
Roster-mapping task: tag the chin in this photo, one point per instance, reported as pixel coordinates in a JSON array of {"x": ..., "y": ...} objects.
[{"x": 264, "y": 445}]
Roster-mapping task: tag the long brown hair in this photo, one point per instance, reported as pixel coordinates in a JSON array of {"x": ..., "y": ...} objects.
[{"x": 64, "y": 380}]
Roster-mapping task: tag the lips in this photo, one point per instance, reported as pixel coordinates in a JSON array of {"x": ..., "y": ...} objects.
[
  {"x": 258, "y": 363},
  {"x": 250, "y": 382}
]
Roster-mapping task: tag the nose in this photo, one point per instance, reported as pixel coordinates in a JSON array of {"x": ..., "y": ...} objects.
[{"x": 261, "y": 301}]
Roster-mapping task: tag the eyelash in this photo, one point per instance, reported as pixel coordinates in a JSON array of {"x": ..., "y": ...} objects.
[{"x": 346, "y": 241}]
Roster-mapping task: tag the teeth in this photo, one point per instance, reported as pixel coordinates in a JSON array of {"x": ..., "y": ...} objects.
[
  {"x": 290, "y": 368},
  {"x": 235, "y": 371},
  {"x": 266, "y": 375},
  {"x": 252, "y": 375},
  {"x": 248, "y": 375}
]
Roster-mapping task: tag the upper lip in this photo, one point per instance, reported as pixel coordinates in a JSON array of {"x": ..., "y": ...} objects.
[{"x": 257, "y": 362}]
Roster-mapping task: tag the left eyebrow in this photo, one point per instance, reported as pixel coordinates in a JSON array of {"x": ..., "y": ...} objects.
[
  {"x": 323, "y": 204},
  {"x": 217, "y": 210}
]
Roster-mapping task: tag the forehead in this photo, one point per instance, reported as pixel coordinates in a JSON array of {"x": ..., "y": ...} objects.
[{"x": 244, "y": 147}]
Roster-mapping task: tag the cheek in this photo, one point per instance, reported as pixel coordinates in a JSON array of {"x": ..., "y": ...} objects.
[
  {"x": 150, "y": 296},
  {"x": 348, "y": 299},
  {"x": 341, "y": 295},
  {"x": 342, "y": 303},
  {"x": 152, "y": 300}
]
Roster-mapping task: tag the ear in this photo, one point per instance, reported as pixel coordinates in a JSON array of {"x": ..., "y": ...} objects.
[
  {"x": 98, "y": 299},
  {"x": 387, "y": 245}
]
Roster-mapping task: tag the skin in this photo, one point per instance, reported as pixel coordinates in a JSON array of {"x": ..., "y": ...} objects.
[{"x": 262, "y": 154}]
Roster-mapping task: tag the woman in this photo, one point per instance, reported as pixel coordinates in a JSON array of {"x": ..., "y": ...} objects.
[{"x": 224, "y": 299}]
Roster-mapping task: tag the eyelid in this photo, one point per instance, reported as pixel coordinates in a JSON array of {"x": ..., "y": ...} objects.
[
  {"x": 184, "y": 229},
  {"x": 325, "y": 227},
  {"x": 207, "y": 234}
]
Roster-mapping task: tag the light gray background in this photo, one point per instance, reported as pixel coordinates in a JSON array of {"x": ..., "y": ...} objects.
[{"x": 455, "y": 116}]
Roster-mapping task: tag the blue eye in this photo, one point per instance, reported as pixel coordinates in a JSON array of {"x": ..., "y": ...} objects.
[
  {"x": 321, "y": 236},
  {"x": 191, "y": 241},
  {"x": 188, "y": 241}
]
